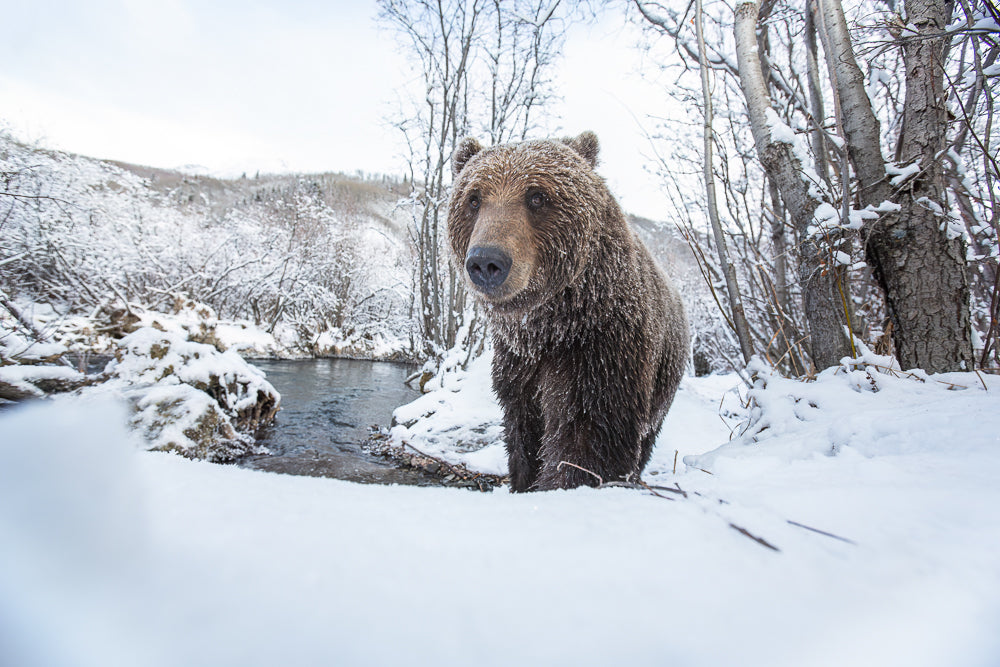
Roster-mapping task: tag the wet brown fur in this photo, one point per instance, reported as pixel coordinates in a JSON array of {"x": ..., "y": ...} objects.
[{"x": 590, "y": 338}]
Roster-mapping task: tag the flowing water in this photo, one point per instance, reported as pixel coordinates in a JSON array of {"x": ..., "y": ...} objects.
[{"x": 327, "y": 406}]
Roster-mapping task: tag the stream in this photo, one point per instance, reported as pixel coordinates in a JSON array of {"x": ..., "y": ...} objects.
[{"x": 327, "y": 406}]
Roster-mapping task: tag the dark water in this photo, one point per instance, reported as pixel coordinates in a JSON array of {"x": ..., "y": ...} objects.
[{"x": 327, "y": 406}]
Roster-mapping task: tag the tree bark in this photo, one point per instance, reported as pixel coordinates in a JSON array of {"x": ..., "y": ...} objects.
[
  {"x": 822, "y": 302},
  {"x": 920, "y": 269}
]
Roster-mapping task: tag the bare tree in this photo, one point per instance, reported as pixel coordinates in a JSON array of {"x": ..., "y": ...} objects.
[
  {"x": 527, "y": 38},
  {"x": 463, "y": 47},
  {"x": 728, "y": 270},
  {"x": 787, "y": 191},
  {"x": 784, "y": 166},
  {"x": 910, "y": 216},
  {"x": 442, "y": 35}
]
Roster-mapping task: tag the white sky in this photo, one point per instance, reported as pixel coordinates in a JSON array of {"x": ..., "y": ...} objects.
[{"x": 291, "y": 86}]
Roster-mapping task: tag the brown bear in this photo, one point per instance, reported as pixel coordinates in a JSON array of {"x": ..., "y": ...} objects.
[{"x": 590, "y": 338}]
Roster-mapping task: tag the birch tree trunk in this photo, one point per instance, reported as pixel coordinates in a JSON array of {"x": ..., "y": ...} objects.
[
  {"x": 815, "y": 94},
  {"x": 728, "y": 270},
  {"x": 822, "y": 302},
  {"x": 920, "y": 269}
]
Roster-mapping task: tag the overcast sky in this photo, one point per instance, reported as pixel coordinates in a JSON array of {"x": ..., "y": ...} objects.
[{"x": 294, "y": 85}]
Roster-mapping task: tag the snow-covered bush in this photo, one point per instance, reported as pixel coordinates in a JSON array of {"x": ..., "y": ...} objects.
[
  {"x": 186, "y": 396},
  {"x": 30, "y": 368},
  {"x": 294, "y": 256},
  {"x": 867, "y": 404}
]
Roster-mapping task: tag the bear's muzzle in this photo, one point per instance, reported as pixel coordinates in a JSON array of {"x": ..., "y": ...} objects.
[{"x": 488, "y": 267}]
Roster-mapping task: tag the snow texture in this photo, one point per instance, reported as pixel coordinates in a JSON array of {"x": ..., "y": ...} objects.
[
  {"x": 842, "y": 258},
  {"x": 827, "y": 218},
  {"x": 781, "y": 133},
  {"x": 459, "y": 422},
  {"x": 981, "y": 24},
  {"x": 16, "y": 347},
  {"x": 113, "y": 556},
  {"x": 901, "y": 174}
]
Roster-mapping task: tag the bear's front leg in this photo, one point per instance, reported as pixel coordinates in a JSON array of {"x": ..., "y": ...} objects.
[
  {"x": 522, "y": 435},
  {"x": 516, "y": 388},
  {"x": 593, "y": 424},
  {"x": 587, "y": 452}
]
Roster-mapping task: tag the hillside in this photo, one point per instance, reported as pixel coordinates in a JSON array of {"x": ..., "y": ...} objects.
[{"x": 301, "y": 256}]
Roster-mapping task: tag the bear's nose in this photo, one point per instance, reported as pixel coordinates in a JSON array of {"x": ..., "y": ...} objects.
[{"x": 487, "y": 266}]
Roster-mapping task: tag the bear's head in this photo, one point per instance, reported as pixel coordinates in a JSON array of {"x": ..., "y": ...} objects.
[{"x": 524, "y": 217}]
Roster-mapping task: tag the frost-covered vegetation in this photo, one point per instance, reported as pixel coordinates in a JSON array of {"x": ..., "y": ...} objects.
[
  {"x": 188, "y": 397},
  {"x": 316, "y": 261},
  {"x": 838, "y": 130},
  {"x": 184, "y": 396}
]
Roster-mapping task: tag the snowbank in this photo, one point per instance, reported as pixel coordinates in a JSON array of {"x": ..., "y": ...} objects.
[
  {"x": 186, "y": 396},
  {"x": 459, "y": 422},
  {"x": 113, "y": 556}
]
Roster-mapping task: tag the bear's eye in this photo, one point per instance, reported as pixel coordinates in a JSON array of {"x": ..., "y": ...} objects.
[
  {"x": 474, "y": 202},
  {"x": 536, "y": 200}
]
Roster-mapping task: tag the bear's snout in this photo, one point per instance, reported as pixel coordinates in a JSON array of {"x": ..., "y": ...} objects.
[{"x": 488, "y": 267}]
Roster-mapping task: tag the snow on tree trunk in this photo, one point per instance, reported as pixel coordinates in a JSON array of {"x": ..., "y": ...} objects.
[
  {"x": 920, "y": 269},
  {"x": 823, "y": 304}
]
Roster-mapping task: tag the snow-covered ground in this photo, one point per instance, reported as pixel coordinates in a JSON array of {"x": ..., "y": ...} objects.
[{"x": 114, "y": 556}]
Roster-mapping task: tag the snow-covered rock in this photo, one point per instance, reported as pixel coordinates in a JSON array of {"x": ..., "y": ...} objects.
[{"x": 190, "y": 398}]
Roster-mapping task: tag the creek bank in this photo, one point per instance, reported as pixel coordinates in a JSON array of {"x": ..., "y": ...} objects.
[
  {"x": 192, "y": 393},
  {"x": 327, "y": 425},
  {"x": 447, "y": 474}
]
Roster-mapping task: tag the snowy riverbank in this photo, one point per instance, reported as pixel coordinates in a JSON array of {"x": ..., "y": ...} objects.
[{"x": 120, "y": 557}]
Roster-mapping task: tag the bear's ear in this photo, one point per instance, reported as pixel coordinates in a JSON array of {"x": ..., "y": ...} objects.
[
  {"x": 463, "y": 153},
  {"x": 586, "y": 145}
]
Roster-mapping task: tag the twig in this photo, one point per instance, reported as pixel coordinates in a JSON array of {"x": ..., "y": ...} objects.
[
  {"x": 675, "y": 489},
  {"x": 821, "y": 532},
  {"x": 759, "y": 540},
  {"x": 638, "y": 485},
  {"x": 600, "y": 481},
  {"x": 898, "y": 373},
  {"x": 22, "y": 319},
  {"x": 450, "y": 467},
  {"x": 980, "y": 376}
]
